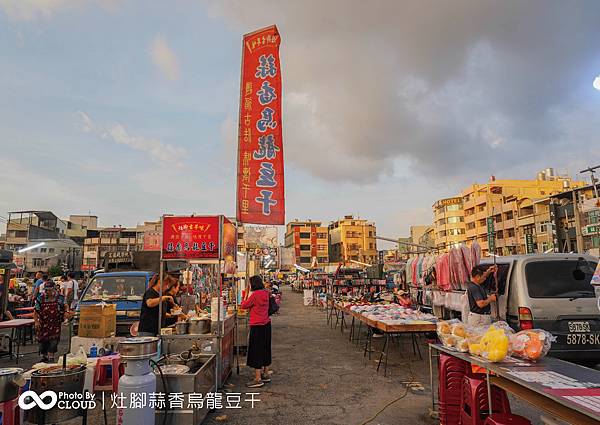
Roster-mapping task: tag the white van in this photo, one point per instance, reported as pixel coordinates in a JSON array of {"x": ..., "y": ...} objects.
[{"x": 552, "y": 292}]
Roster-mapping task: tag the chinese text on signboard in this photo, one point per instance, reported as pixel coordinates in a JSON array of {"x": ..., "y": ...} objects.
[
  {"x": 190, "y": 237},
  {"x": 260, "y": 191}
]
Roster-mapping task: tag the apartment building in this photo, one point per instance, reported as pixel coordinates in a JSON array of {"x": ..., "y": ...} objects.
[
  {"x": 448, "y": 223},
  {"x": 110, "y": 239},
  {"x": 352, "y": 239},
  {"x": 309, "y": 241},
  {"x": 23, "y": 227},
  {"x": 511, "y": 204},
  {"x": 565, "y": 222},
  {"x": 427, "y": 238}
]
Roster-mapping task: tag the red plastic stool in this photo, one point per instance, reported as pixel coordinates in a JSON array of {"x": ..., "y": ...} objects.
[
  {"x": 10, "y": 412},
  {"x": 452, "y": 373},
  {"x": 474, "y": 403},
  {"x": 101, "y": 373},
  {"x": 506, "y": 419}
]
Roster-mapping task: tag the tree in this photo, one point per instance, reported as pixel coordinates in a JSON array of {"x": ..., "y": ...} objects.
[{"x": 55, "y": 270}]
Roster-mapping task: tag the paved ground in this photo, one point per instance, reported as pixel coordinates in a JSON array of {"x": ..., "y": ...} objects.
[{"x": 320, "y": 378}]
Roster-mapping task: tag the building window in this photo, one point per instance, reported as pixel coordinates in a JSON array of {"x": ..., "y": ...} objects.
[
  {"x": 50, "y": 250},
  {"x": 455, "y": 207},
  {"x": 305, "y": 260},
  {"x": 321, "y": 235},
  {"x": 304, "y": 235},
  {"x": 509, "y": 215},
  {"x": 38, "y": 262},
  {"x": 43, "y": 249},
  {"x": 321, "y": 247},
  {"x": 371, "y": 246},
  {"x": 529, "y": 229},
  {"x": 370, "y": 234},
  {"x": 305, "y": 247},
  {"x": 323, "y": 260},
  {"x": 455, "y": 219}
]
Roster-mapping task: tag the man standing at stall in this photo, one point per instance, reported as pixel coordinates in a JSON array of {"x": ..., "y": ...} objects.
[
  {"x": 151, "y": 304},
  {"x": 479, "y": 299}
]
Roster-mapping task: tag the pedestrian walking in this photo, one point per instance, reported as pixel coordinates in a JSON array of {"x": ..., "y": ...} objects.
[
  {"x": 48, "y": 316},
  {"x": 37, "y": 282},
  {"x": 479, "y": 299},
  {"x": 75, "y": 286},
  {"x": 259, "y": 341}
]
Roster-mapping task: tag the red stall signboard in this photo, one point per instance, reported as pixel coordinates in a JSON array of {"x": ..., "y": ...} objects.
[
  {"x": 260, "y": 177},
  {"x": 190, "y": 237}
]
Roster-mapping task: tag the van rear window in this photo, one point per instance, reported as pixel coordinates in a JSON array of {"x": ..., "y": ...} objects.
[{"x": 560, "y": 279}]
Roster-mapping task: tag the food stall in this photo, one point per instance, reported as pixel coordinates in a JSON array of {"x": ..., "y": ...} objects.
[{"x": 208, "y": 245}]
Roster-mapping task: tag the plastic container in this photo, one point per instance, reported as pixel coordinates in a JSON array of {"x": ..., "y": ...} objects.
[{"x": 93, "y": 350}]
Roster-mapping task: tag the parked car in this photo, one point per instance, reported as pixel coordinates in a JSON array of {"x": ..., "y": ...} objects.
[
  {"x": 554, "y": 292},
  {"x": 551, "y": 292},
  {"x": 123, "y": 288}
]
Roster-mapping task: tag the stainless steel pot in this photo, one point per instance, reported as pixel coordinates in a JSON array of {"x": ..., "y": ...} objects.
[
  {"x": 59, "y": 380},
  {"x": 199, "y": 326},
  {"x": 181, "y": 328},
  {"x": 9, "y": 383},
  {"x": 173, "y": 359},
  {"x": 137, "y": 348}
]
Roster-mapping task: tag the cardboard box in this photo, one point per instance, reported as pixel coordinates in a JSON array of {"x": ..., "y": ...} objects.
[{"x": 97, "y": 321}]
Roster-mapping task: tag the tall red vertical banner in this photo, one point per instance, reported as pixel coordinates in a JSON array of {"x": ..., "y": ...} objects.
[{"x": 260, "y": 176}]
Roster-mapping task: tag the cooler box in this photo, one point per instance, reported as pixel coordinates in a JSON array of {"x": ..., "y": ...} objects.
[{"x": 97, "y": 321}]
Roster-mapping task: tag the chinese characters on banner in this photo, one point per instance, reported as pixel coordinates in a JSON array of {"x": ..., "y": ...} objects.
[
  {"x": 260, "y": 191},
  {"x": 190, "y": 237}
]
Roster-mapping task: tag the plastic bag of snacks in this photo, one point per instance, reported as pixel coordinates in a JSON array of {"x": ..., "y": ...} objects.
[
  {"x": 504, "y": 326},
  {"x": 453, "y": 334},
  {"x": 531, "y": 344},
  {"x": 493, "y": 345}
]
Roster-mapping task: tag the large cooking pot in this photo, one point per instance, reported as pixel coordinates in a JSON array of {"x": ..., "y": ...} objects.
[
  {"x": 59, "y": 380},
  {"x": 9, "y": 383},
  {"x": 181, "y": 328},
  {"x": 199, "y": 326},
  {"x": 137, "y": 348}
]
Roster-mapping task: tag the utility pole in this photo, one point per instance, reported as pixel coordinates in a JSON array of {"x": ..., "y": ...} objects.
[
  {"x": 591, "y": 170},
  {"x": 593, "y": 178}
]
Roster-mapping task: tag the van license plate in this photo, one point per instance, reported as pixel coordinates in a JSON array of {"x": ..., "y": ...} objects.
[
  {"x": 583, "y": 339},
  {"x": 579, "y": 327}
]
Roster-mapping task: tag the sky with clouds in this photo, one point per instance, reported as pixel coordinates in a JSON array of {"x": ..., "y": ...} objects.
[{"x": 128, "y": 108}]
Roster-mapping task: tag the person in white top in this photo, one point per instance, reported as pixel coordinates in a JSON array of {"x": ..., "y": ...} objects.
[{"x": 75, "y": 286}]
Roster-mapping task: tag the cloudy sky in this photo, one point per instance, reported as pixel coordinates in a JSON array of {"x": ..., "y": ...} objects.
[{"x": 128, "y": 109}]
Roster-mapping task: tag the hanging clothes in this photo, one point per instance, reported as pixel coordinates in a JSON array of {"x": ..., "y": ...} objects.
[
  {"x": 414, "y": 269},
  {"x": 442, "y": 268},
  {"x": 475, "y": 253},
  {"x": 455, "y": 260},
  {"x": 408, "y": 271}
]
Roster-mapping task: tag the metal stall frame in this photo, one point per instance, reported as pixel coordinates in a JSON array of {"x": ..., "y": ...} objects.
[{"x": 219, "y": 263}]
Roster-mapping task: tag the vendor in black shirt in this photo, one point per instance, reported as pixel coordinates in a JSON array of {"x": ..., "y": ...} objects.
[
  {"x": 173, "y": 291},
  {"x": 479, "y": 299},
  {"x": 150, "y": 307}
]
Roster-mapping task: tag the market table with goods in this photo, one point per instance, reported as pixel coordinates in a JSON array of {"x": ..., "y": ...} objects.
[
  {"x": 387, "y": 319},
  {"x": 478, "y": 366}
]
